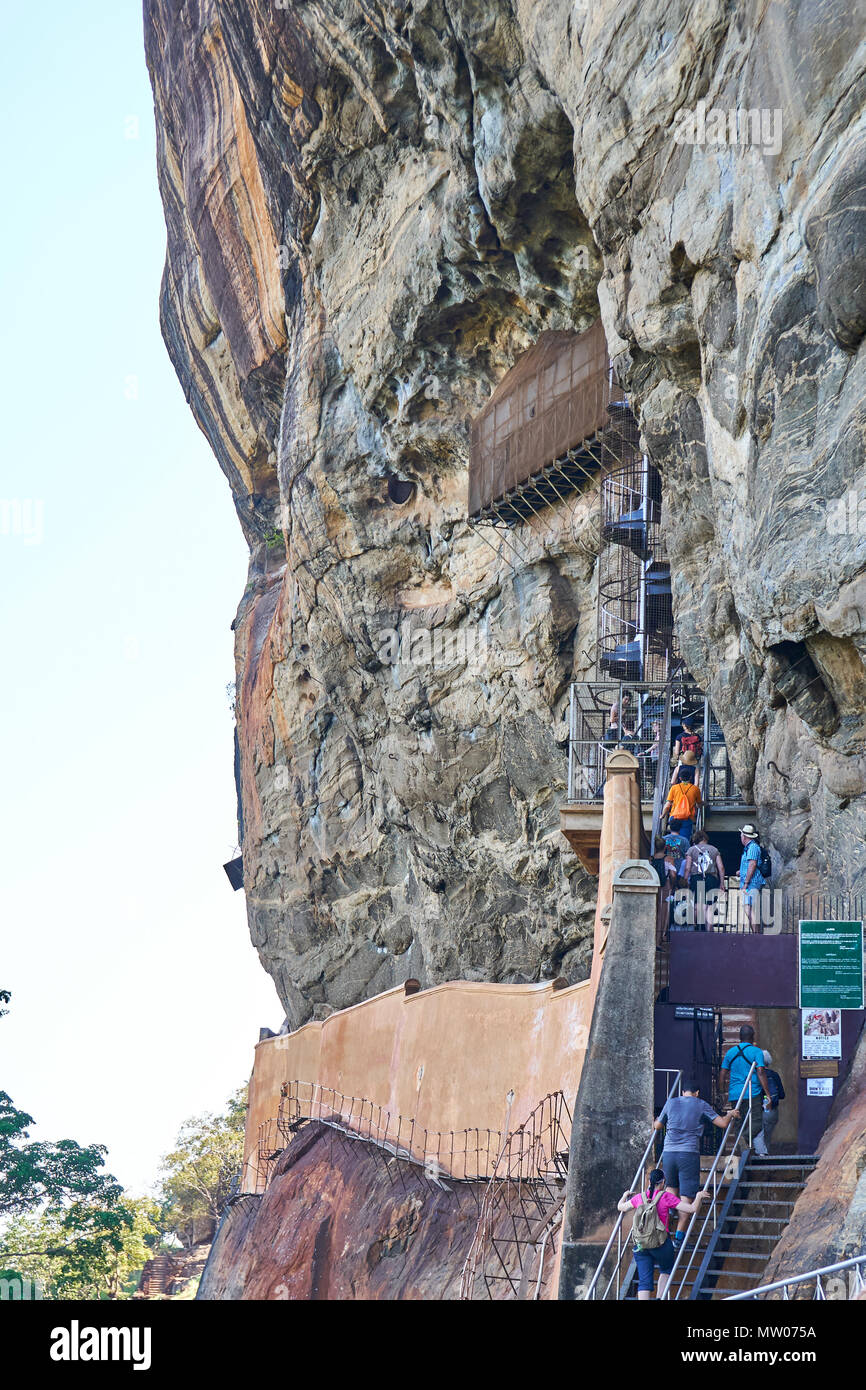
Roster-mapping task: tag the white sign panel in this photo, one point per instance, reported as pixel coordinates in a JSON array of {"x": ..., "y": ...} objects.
[
  {"x": 819, "y": 1086},
  {"x": 822, "y": 1032}
]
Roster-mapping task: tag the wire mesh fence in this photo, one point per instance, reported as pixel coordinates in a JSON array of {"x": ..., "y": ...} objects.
[
  {"x": 513, "y": 1252},
  {"x": 440, "y": 1157},
  {"x": 552, "y": 407},
  {"x": 609, "y": 714}
]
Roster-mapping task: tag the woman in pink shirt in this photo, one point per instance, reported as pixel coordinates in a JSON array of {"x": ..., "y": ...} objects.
[{"x": 661, "y": 1255}]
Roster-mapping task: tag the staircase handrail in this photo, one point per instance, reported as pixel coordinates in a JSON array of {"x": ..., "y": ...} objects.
[
  {"x": 745, "y": 1123},
  {"x": 663, "y": 769},
  {"x": 636, "y": 1183},
  {"x": 706, "y": 761},
  {"x": 785, "y": 1284}
]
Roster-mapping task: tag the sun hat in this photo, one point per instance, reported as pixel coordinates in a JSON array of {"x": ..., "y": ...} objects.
[{"x": 749, "y": 831}]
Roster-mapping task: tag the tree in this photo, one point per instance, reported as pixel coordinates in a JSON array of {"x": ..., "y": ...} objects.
[
  {"x": 84, "y": 1251},
  {"x": 197, "y": 1175},
  {"x": 35, "y": 1173},
  {"x": 61, "y": 1198}
]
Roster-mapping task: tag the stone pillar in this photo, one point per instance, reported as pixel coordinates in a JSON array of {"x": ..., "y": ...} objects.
[
  {"x": 613, "y": 1110},
  {"x": 619, "y": 841}
]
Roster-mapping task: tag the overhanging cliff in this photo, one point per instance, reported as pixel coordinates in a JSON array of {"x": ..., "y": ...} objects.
[{"x": 371, "y": 212}]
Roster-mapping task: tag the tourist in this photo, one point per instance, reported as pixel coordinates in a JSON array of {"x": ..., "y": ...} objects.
[
  {"x": 771, "y": 1102},
  {"x": 681, "y": 1159},
  {"x": 652, "y": 1242},
  {"x": 736, "y": 1065},
  {"x": 751, "y": 878},
  {"x": 705, "y": 873},
  {"x": 687, "y": 749},
  {"x": 667, "y": 875},
  {"x": 620, "y": 723},
  {"x": 682, "y": 804}
]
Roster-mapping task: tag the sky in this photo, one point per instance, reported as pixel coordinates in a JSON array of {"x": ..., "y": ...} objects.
[{"x": 136, "y": 994}]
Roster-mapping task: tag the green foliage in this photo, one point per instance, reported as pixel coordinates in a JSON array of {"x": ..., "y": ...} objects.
[
  {"x": 61, "y": 1217},
  {"x": 196, "y": 1177},
  {"x": 84, "y": 1251},
  {"x": 67, "y": 1226},
  {"x": 35, "y": 1173}
]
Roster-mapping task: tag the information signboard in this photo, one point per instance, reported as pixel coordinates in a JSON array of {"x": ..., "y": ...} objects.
[{"x": 831, "y": 965}]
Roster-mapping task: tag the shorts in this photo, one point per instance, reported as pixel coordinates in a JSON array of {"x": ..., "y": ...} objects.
[
  {"x": 682, "y": 1170},
  {"x": 682, "y": 827},
  {"x": 711, "y": 883},
  {"x": 646, "y": 1261},
  {"x": 752, "y": 897}
]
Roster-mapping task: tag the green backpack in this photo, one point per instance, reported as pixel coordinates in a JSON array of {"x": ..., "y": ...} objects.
[{"x": 648, "y": 1231}]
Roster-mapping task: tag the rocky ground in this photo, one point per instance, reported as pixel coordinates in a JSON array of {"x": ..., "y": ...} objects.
[{"x": 372, "y": 210}]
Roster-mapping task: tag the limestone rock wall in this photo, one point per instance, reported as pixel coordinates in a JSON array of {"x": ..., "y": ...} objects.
[{"x": 372, "y": 209}]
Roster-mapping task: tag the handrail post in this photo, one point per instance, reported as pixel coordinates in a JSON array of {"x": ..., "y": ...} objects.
[
  {"x": 747, "y": 1085},
  {"x": 571, "y": 740}
]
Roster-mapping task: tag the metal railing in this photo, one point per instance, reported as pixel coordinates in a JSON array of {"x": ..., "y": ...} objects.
[
  {"x": 521, "y": 1210},
  {"x": 856, "y": 1285},
  {"x": 624, "y": 1245},
  {"x": 643, "y": 723},
  {"x": 663, "y": 772},
  {"x": 463, "y": 1156},
  {"x": 691, "y": 1245},
  {"x": 777, "y": 912}
]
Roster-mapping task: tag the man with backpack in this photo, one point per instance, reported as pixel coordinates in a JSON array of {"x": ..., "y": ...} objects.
[
  {"x": 652, "y": 1243},
  {"x": 705, "y": 872},
  {"x": 736, "y": 1065},
  {"x": 682, "y": 804},
  {"x": 755, "y": 869},
  {"x": 684, "y": 1116},
  {"x": 771, "y": 1102}
]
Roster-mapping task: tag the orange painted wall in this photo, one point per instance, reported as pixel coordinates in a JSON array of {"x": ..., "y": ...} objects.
[
  {"x": 471, "y": 1042},
  {"x": 447, "y": 1056}
]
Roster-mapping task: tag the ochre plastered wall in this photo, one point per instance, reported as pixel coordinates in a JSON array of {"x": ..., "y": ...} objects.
[{"x": 448, "y": 1057}]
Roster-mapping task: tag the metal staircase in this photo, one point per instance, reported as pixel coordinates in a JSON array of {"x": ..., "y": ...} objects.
[
  {"x": 758, "y": 1210},
  {"x": 729, "y": 1240}
]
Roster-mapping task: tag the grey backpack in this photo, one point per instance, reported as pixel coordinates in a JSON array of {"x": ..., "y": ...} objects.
[{"x": 647, "y": 1229}]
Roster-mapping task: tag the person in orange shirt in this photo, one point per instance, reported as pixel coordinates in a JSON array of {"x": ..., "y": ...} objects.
[{"x": 684, "y": 798}]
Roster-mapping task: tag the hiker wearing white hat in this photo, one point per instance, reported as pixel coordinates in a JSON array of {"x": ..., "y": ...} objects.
[
  {"x": 751, "y": 878},
  {"x": 775, "y": 1093}
]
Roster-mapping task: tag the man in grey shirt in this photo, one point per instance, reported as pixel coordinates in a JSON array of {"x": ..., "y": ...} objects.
[{"x": 681, "y": 1160}]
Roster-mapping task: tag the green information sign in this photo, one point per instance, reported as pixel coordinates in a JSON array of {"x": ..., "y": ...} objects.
[{"x": 831, "y": 965}]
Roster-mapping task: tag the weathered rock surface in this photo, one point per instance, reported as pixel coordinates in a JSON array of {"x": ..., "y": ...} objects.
[
  {"x": 372, "y": 209},
  {"x": 828, "y": 1223},
  {"x": 333, "y": 1225}
]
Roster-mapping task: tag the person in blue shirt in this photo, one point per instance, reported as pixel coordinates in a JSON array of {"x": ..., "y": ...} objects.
[
  {"x": 751, "y": 879},
  {"x": 736, "y": 1065}
]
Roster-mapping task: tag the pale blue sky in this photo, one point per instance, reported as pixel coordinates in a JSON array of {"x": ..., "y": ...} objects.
[{"x": 137, "y": 996}]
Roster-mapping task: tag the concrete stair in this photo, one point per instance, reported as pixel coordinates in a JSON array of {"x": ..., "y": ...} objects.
[{"x": 759, "y": 1212}]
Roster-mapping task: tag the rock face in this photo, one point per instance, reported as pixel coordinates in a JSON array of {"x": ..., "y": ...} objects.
[
  {"x": 372, "y": 210},
  {"x": 364, "y": 1234},
  {"x": 828, "y": 1223}
]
